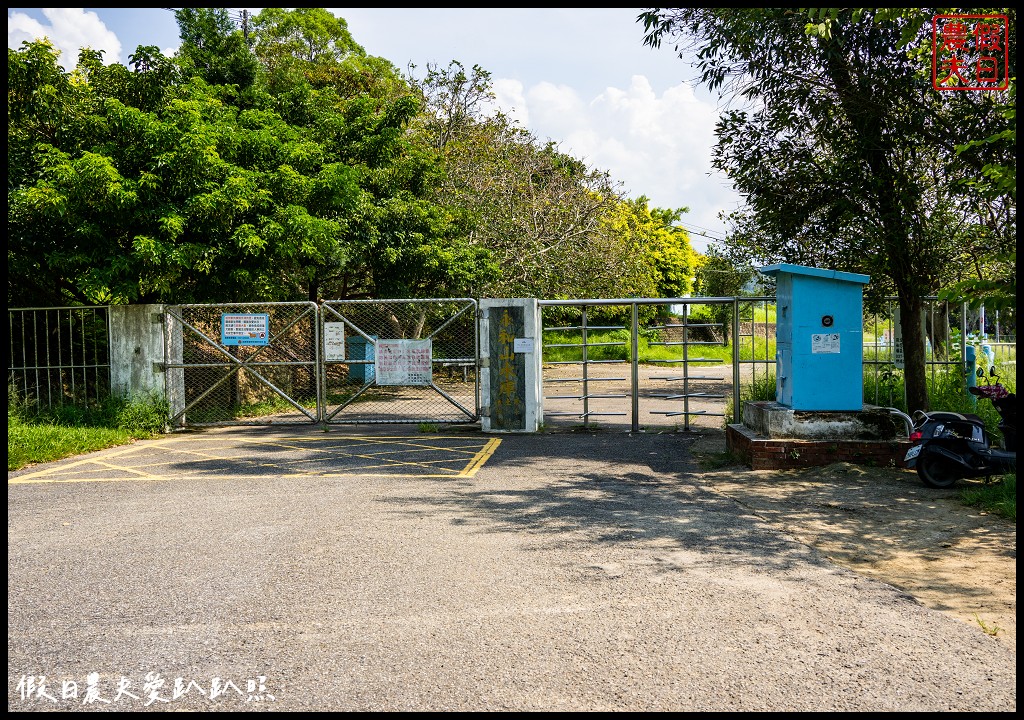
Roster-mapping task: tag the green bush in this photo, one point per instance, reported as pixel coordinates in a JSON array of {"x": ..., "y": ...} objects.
[
  {"x": 946, "y": 391},
  {"x": 149, "y": 414},
  {"x": 37, "y": 435}
]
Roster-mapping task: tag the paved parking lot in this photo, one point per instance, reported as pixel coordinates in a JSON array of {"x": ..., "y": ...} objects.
[{"x": 385, "y": 570}]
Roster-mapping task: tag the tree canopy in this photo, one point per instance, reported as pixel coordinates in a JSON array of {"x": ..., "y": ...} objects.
[
  {"x": 285, "y": 163},
  {"x": 846, "y": 155}
]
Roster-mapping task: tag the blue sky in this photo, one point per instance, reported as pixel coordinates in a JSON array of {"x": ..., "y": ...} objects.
[{"x": 581, "y": 77}]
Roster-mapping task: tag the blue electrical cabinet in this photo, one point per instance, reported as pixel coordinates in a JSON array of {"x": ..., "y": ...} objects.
[
  {"x": 819, "y": 335},
  {"x": 359, "y": 348}
]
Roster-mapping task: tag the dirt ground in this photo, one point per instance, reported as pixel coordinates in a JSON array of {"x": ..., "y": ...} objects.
[
  {"x": 885, "y": 524},
  {"x": 882, "y": 523}
]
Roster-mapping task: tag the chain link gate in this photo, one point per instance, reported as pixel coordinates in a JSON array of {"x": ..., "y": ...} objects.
[
  {"x": 400, "y": 361},
  {"x": 242, "y": 363}
]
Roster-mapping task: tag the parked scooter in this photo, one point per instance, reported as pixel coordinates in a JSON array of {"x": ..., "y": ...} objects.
[{"x": 951, "y": 446}]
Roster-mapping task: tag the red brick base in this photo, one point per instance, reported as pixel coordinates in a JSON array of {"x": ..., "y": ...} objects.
[{"x": 784, "y": 454}]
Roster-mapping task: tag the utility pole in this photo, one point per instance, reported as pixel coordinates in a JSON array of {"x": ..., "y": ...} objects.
[{"x": 245, "y": 24}]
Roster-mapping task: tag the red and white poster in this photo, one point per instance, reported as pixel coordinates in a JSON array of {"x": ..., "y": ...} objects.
[{"x": 403, "y": 362}]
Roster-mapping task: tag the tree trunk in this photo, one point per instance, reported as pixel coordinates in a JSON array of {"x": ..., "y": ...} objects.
[{"x": 911, "y": 327}]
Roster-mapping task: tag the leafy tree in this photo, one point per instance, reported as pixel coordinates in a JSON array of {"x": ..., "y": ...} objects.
[
  {"x": 214, "y": 48},
  {"x": 185, "y": 193},
  {"x": 987, "y": 271},
  {"x": 285, "y": 163},
  {"x": 842, "y": 153},
  {"x": 555, "y": 227},
  {"x": 717, "y": 276},
  {"x": 655, "y": 248},
  {"x": 311, "y": 48}
]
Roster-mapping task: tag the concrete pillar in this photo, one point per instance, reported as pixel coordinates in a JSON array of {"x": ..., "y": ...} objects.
[
  {"x": 511, "y": 365},
  {"x": 174, "y": 344},
  {"x": 137, "y": 350}
]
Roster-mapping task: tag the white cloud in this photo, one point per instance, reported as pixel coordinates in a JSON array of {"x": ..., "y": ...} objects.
[
  {"x": 658, "y": 146},
  {"x": 509, "y": 98},
  {"x": 69, "y": 29}
]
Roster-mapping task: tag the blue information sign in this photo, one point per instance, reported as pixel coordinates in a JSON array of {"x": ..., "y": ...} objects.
[{"x": 245, "y": 329}]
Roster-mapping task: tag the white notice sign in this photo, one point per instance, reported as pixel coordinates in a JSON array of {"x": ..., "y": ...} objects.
[
  {"x": 897, "y": 343},
  {"x": 334, "y": 341},
  {"x": 403, "y": 362},
  {"x": 825, "y": 343},
  {"x": 522, "y": 345}
]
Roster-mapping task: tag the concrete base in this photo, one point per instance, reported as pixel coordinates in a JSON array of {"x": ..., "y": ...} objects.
[
  {"x": 770, "y": 419},
  {"x": 776, "y": 437}
]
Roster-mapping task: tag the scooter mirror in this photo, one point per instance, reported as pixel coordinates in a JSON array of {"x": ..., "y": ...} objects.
[{"x": 980, "y": 373}]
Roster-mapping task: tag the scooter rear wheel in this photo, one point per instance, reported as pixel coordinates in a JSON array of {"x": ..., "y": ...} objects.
[{"x": 937, "y": 471}]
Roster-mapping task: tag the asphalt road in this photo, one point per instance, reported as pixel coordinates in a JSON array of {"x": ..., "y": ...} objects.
[{"x": 390, "y": 570}]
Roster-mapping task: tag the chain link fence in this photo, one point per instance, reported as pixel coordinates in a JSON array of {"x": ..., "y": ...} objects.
[
  {"x": 242, "y": 363},
  {"x": 400, "y": 361}
]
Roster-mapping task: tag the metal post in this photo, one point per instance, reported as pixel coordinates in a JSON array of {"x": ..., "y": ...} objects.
[
  {"x": 737, "y": 412},
  {"x": 635, "y": 346},
  {"x": 963, "y": 332},
  {"x": 319, "y": 371},
  {"x": 970, "y": 367},
  {"x": 586, "y": 390},
  {"x": 686, "y": 373}
]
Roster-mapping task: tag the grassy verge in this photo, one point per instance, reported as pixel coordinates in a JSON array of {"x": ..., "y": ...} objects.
[
  {"x": 61, "y": 432},
  {"x": 615, "y": 345},
  {"x": 998, "y": 498}
]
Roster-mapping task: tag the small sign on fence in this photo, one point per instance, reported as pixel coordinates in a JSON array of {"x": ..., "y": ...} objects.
[
  {"x": 334, "y": 341},
  {"x": 245, "y": 329}
]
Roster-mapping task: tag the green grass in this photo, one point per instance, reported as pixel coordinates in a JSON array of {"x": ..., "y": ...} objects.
[
  {"x": 615, "y": 345},
  {"x": 998, "y": 498},
  {"x": 30, "y": 443},
  {"x": 946, "y": 391},
  {"x": 66, "y": 431}
]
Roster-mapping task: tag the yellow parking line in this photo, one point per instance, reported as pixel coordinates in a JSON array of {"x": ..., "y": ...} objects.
[
  {"x": 481, "y": 457},
  {"x": 376, "y": 460},
  {"x": 143, "y": 473}
]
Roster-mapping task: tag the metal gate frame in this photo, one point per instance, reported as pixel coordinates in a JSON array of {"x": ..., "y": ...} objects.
[
  {"x": 330, "y": 310},
  {"x": 633, "y": 304},
  {"x": 175, "y": 366}
]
